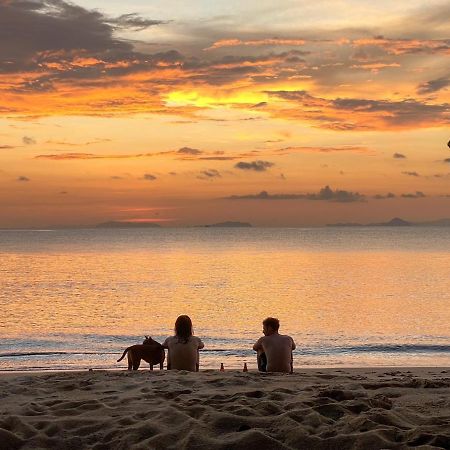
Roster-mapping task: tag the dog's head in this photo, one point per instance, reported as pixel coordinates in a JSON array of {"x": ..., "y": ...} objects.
[{"x": 148, "y": 341}]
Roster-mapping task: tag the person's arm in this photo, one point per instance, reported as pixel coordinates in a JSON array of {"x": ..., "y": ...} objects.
[
  {"x": 258, "y": 345},
  {"x": 165, "y": 344},
  {"x": 292, "y": 356}
]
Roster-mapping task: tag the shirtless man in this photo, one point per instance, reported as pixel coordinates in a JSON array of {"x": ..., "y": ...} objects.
[{"x": 274, "y": 349}]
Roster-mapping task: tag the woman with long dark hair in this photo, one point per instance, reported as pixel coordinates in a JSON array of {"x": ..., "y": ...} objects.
[{"x": 183, "y": 347}]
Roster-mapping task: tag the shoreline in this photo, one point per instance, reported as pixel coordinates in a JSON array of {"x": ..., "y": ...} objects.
[
  {"x": 332, "y": 408},
  {"x": 297, "y": 369}
]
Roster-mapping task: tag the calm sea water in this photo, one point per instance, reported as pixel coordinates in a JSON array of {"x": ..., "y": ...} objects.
[{"x": 74, "y": 299}]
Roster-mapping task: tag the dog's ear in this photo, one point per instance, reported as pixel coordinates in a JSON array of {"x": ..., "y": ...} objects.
[{"x": 146, "y": 337}]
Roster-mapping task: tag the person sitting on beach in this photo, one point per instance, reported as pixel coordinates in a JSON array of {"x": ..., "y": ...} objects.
[
  {"x": 274, "y": 349},
  {"x": 183, "y": 347}
]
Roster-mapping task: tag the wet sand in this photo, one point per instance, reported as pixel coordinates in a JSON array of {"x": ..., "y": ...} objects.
[{"x": 378, "y": 408}]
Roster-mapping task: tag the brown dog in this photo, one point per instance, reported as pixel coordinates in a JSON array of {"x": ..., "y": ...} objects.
[{"x": 150, "y": 351}]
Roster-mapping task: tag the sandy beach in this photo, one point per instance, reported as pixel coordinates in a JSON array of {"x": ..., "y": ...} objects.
[{"x": 366, "y": 408}]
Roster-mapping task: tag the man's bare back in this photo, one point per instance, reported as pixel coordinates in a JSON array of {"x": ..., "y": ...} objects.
[{"x": 277, "y": 348}]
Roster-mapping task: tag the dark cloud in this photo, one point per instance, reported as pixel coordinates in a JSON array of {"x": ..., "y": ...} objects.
[
  {"x": 264, "y": 195},
  {"x": 189, "y": 151},
  {"x": 220, "y": 158},
  {"x": 398, "y": 156},
  {"x": 6, "y": 147},
  {"x": 346, "y": 114},
  {"x": 447, "y": 160},
  {"x": 209, "y": 174},
  {"x": 433, "y": 85},
  {"x": 299, "y": 96},
  {"x": 52, "y": 25},
  {"x": 411, "y": 174},
  {"x": 417, "y": 194},
  {"x": 54, "y": 41},
  {"x": 384, "y": 197},
  {"x": 133, "y": 21},
  {"x": 22, "y": 178},
  {"x": 28, "y": 140},
  {"x": 230, "y": 68},
  {"x": 322, "y": 149},
  {"x": 257, "y": 166},
  {"x": 149, "y": 177},
  {"x": 193, "y": 154},
  {"x": 402, "y": 112},
  {"x": 326, "y": 194},
  {"x": 55, "y": 25},
  {"x": 38, "y": 85}
]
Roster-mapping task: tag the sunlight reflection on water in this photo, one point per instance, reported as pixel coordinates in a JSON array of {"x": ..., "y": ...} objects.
[{"x": 336, "y": 291}]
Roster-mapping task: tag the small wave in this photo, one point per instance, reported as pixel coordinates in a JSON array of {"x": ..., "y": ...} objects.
[
  {"x": 380, "y": 348},
  {"x": 368, "y": 348},
  {"x": 24, "y": 354}
]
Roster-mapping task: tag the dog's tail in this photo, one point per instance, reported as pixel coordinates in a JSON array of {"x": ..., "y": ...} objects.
[{"x": 123, "y": 355}]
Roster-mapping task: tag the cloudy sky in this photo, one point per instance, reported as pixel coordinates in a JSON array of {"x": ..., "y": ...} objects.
[{"x": 278, "y": 113}]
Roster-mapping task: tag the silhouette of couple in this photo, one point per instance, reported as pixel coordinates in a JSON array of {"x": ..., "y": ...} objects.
[{"x": 274, "y": 350}]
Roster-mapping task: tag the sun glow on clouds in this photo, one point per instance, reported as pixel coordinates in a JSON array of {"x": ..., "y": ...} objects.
[
  {"x": 194, "y": 98},
  {"x": 146, "y": 220}
]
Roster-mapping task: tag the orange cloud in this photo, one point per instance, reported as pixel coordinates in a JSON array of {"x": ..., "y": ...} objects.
[
  {"x": 69, "y": 156},
  {"x": 183, "y": 154},
  {"x": 314, "y": 149},
  {"x": 374, "y": 67},
  {"x": 97, "y": 74},
  {"x": 404, "y": 46},
  {"x": 255, "y": 42},
  {"x": 146, "y": 220}
]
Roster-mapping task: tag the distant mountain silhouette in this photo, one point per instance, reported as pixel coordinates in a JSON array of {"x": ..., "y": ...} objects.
[
  {"x": 116, "y": 224},
  {"x": 396, "y": 222},
  {"x": 229, "y": 225}
]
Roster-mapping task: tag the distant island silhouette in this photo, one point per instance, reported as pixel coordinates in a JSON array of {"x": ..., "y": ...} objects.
[
  {"x": 125, "y": 224},
  {"x": 395, "y": 222},
  {"x": 229, "y": 224},
  {"x": 118, "y": 224}
]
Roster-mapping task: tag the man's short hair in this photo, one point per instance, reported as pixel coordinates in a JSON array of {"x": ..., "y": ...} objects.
[{"x": 272, "y": 322}]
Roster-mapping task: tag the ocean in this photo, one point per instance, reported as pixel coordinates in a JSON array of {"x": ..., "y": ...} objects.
[{"x": 375, "y": 296}]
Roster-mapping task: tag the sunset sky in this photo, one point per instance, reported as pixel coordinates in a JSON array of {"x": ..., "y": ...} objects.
[{"x": 284, "y": 113}]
